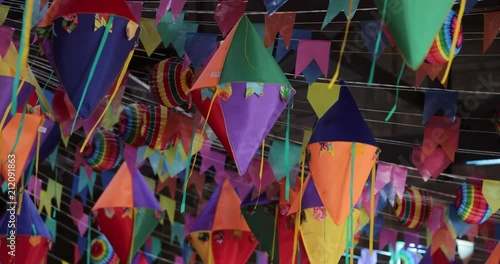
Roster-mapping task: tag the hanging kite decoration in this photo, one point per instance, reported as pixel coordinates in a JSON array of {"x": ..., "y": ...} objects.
[
  {"x": 241, "y": 93},
  {"x": 414, "y": 209},
  {"x": 101, "y": 252},
  {"x": 32, "y": 240},
  {"x": 93, "y": 42},
  {"x": 171, "y": 82},
  {"x": 441, "y": 48},
  {"x": 105, "y": 152},
  {"x": 127, "y": 212},
  {"x": 324, "y": 241},
  {"x": 130, "y": 124},
  {"x": 342, "y": 149},
  {"x": 471, "y": 205},
  {"x": 220, "y": 235}
]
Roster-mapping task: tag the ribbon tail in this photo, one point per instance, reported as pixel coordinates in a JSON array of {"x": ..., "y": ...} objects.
[
  {"x": 187, "y": 174},
  {"x": 287, "y": 154},
  {"x": 393, "y": 110},
  {"x": 377, "y": 43},
  {"x": 372, "y": 210}
]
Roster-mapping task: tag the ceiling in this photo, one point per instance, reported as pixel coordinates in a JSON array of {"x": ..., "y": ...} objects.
[{"x": 473, "y": 75}]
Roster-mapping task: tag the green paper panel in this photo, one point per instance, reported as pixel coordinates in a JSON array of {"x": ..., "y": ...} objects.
[
  {"x": 261, "y": 223},
  {"x": 414, "y": 25},
  {"x": 155, "y": 246},
  {"x": 51, "y": 225},
  {"x": 248, "y": 60},
  {"x": 145, "y": 223},
  {"x": 260, "y": 28},
  {"x": 168, "y": 29},
  {"x": 277, "y": 161}
]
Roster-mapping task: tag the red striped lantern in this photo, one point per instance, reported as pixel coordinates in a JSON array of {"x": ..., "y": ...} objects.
[
  {"x": 170, "y": 84},
  {"x": 414, "y": 209}
]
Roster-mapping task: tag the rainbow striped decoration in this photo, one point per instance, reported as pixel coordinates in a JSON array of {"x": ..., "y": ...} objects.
[
  {"x": 105, "y": 152},
  {"x": 441, "y": 48},
  {"x": 154, "y": 127},
  {"x": 414, "y": 209},
  {"x": 497, "y": 121},
  {"x": 101, "y": 252},
  {"x": 471, "y": 205},
  {"x": 408, "y": 257},
  {"x": 130, "y": 124},
  {"x": 170, "y": 84}
]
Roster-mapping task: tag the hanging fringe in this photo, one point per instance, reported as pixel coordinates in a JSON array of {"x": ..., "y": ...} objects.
[
  {"x": 110, "y": 101},
  {"x": 455, "y": 39},
  {"x": 22, "y": 57},
  {"x": 342, "y": 48},
  {"x": 93, "y": 68},
  {"x": 397, "y": 93}
]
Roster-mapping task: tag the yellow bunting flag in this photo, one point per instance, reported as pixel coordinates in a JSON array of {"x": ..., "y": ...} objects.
[
  {"x": 322, "y": 98},
  {"x": 4, "y": 10},
  {"x": 45, "y": 203},
  {"x": 151, "y": 183},
  {"x": 491, "y": 192},
  {"x": 149, "y": 36},
  {"x": 168, "y": 205}
]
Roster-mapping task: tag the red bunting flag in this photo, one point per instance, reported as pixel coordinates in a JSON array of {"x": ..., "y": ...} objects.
[
  {"x": 491, "y": 28},
  {"x": 279, "y": 22}
]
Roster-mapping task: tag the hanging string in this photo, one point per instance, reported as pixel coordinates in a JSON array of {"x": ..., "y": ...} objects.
[
  {"x": 22, "y": 57},
  {"x": 350, "y": 224},
  {"x": 57, "y": 174},
  {"x": 21, "y": 125},
  {"x": 455, "y": 40},
  {"x": 397, "y": 93},
  {"x": 93, "y": 68},
  {"x": 110, "y": 101},
  {"x": 187, "y": 173},
  {"x": 377, "y": 43},
  {"x": 342, "y": 48},
  {"x": 372, "y": 209},
  {"x": 299, "y": 212},
  {"x": 274, "y": 233},
  {"x": 260, "y": 172},
  {"x": 287, "y": 152}
]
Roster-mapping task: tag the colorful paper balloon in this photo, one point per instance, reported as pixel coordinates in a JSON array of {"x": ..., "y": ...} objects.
[
  {"x": 101, "y": 251},
  {"x": 88, "y": 59},
  {"x": 414, "y": 209},
  {"x": 127, "y": 212},
  {"x": 220, "y": 234},
  {"x": 154, "y": 127},
  {"x": 471, "y": 205},
  {"x": 441, "y": 48},
  {"x": 32, "y": 240},
  {"x": 339, "y": 133},
  {"x": 170, "y": 83},
  {"x": 130, "y": 124},
  {"x": 413, "y": 34},
  {"x": 105, "y": 152},
  {"x": 241, "y": 93}
]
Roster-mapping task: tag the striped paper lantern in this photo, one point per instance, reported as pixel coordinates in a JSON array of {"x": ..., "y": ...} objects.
[
  {"x": 441, "y": 48},
  {"x": 101, "y": 252},
  {"x": 414, "y": 209},
  {"x": 170, "y": 84},
  {"x": 105, "y": 152},
  {"x": 130, "y": 124},
  {"x": 154, "y": 127},
  {"x": 471, "y": 205}
]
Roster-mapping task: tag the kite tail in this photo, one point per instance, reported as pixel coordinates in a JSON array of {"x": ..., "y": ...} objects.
[
  {"x": 298, "y": 215},
  {"x": 397, "y": 93},
  {"x": 287, "y": 153},
  {"x": 110, "y": 101},
  {"x": 187, "y": 173},
  {"x": 342, "y": 48},
  {"x": 377, "y": 43},
  {"x": 274, "y": 233},
  {"x": 372, "y": 210},
  {"x": 455, "y": 40},
  {"x": 260, "y": 174}
]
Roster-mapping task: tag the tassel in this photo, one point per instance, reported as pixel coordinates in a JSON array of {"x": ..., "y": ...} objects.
[
  {"x": 342, "y": 48},
  {"x": 455, "y": 39},
  {"x": 22, "y": 58},
  {"x": 93, "y": 68},
  {"x": 110, "y": 101}
]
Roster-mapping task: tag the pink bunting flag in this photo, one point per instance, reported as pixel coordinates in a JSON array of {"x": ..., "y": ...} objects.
[
  {"x": 6, "y": 34},
  {"x": 366, "y": 199},
  {"x": 432, "y": 165},
  {"x": 436, "y": 221},
  {"x": 211, "y": 158},
  {"x": 309, "y": 50},
  {"x": 78, "y": 161},
  {"x": 279, "y": 22},
  {"x": 136, "y": 8},
  {"x": 34, "y": 187},
  {"x": 80, "y": 219},
  {"x": 176, "y": 7},
  {"x": 162, "y": 10},
  {"x": 441, "y": 131},
  {"x": 179, "y": 260},
  {"x": 396, "y": 175},
  {"x": 387, "y": 236},
  {"x": 228, "y": 13},
  {"x": 411, "y": 238},
  {"x": 198, "y": 180}
]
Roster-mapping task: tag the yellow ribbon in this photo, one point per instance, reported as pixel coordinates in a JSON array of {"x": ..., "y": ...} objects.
[
  {"x": 261, "y": 171},
  {"x": 372, "y": 210},
  {"x": 455, "y": 40},
  {"x": 274, "y": 233},
  {"x": 110, "y": 101},
  {"x": 339, "y": 62}
]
